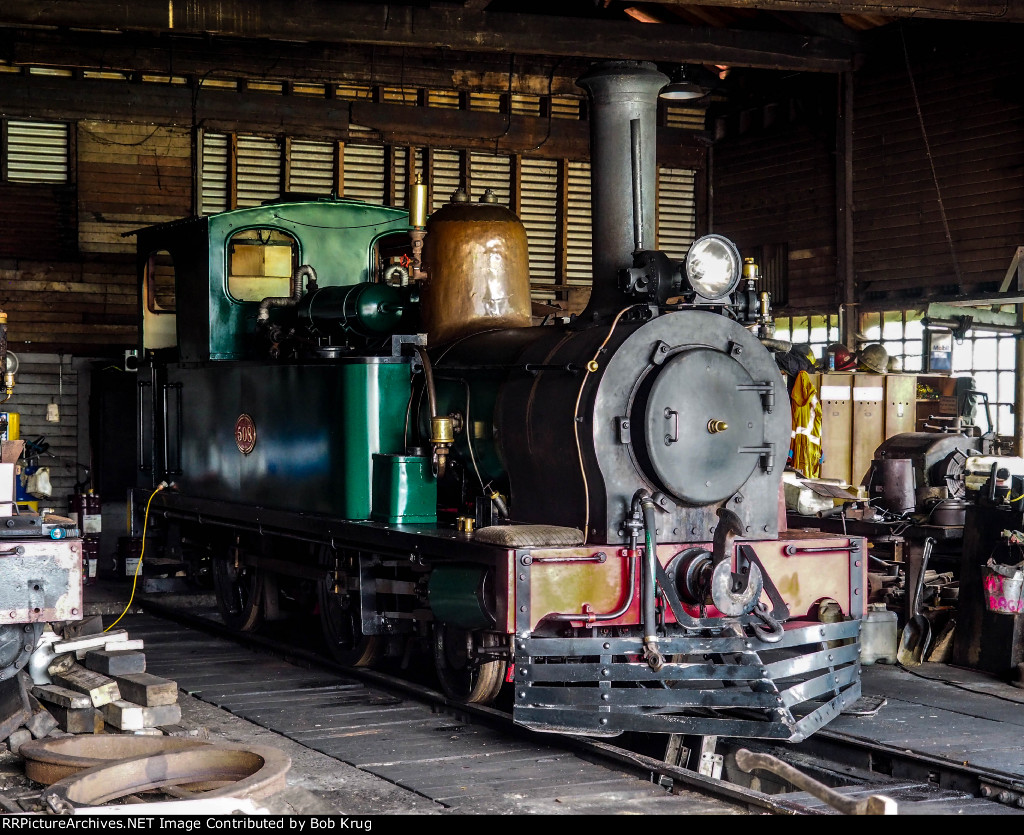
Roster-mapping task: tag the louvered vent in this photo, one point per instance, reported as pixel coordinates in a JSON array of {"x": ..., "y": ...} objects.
[
  {"x": 687, "y": 118},
  {"x": 400, "y": 166},
  {"x": 443, "y": 98},
  {"x": 258, "y": 170},
  {"x": 485, "y": 102},
  {"x": 399, "y": 95},
  {"x": 676, "y": 212},
  {"x": 565, "y": 108},
  {"x": 353, "y": 92},
  {"x": 37, "y": 152},
  {"x": 312, "y": 167},
  {"x": 364, "y": 173},
  {"x": 539, "y": 213},
  {"x": 215, "y": 173},
  {"x": 445, "y": 179},
  {"x": 579, "y": 243},
  {"x": 523, "y": 105},
  {"x": 487, "y": 171}
]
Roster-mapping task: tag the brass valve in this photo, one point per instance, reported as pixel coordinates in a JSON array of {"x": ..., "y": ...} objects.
[{"x": 442, "y": 430}]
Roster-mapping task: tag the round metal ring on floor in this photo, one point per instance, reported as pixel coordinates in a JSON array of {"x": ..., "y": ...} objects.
[
  {"x": 253, "y": 771},
  {"x": 50, "y": 760}
]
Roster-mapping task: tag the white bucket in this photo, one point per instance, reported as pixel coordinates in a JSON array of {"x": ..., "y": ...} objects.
[{"x": 1003, "y": 586}]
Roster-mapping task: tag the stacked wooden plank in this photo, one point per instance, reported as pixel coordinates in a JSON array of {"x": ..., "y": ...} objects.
[{"x": 98, "y": 684}]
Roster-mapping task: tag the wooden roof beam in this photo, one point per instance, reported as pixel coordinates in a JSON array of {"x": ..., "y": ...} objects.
[
  {"x": 991, "y": 11},
  {"x": 299, "y": 63},
  {"x": 452, "y": 28}
]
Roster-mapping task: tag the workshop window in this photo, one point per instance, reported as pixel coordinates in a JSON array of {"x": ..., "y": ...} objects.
[
  {"x": 901, "y": 333},
  {"x": 35, "y": 152},
  {"x": 990, "y": 359},
  {"x": 817, "y": 331}
]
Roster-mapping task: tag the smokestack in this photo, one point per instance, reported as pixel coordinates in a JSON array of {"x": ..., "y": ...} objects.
[{"x": 623, "y": 171}]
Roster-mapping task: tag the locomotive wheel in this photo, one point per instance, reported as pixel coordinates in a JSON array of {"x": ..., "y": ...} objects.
[
  {"x": 239, "y": 594},
  {"x": 460, "y": 676},
  {"x": 341, "y": 622}
]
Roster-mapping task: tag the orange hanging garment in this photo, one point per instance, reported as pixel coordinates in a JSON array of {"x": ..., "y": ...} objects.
[{"x": 805, "y": 440}]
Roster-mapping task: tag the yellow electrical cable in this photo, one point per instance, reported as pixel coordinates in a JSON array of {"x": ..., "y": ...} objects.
[
  {"x": 592, "y": 366},
  {"x": 138, "y": 564}
]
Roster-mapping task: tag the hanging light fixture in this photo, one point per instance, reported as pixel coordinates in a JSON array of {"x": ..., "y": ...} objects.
[{"x": 681, "y": 87}]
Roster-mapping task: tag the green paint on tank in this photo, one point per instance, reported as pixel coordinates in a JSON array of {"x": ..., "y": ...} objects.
[
  {"x": 404, "y": 490},
  {"x": 375, "y": 397},
  {"x": 458, "y": 595},
  {"x": 317, "y": 428}
]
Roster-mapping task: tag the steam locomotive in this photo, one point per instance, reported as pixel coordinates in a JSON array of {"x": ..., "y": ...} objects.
[{"x": 347, "y": 409}]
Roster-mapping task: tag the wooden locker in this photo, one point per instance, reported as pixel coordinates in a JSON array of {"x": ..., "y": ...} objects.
[
  {"x": 868, "y": 421},
  {"x": 835, "y": 394},
  {"x": 900, "y": 404}
]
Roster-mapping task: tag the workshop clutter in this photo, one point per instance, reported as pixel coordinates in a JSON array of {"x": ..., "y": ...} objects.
[{"x": 91, "y": 682}]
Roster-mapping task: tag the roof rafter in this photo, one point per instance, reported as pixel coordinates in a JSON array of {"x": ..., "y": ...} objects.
[
  {"x": 444, "y": 27},
  {"x": 993, "y": 11}
]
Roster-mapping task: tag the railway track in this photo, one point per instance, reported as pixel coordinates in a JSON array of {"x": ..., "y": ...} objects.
[{"x": 471, "y": 759}]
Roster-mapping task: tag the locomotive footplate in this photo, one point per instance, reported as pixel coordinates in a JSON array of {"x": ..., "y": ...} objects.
[
  {"x": 723, "y": 685},
  {"x": 585, "y": 662}
]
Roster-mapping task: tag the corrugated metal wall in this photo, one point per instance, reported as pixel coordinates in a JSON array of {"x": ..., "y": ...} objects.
[
  {"x": 962, "y": 171},
  {"x": 47, "y": 380}
]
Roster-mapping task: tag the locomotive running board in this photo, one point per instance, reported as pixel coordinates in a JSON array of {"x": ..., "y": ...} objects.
[{"x": 603, "y": 686}]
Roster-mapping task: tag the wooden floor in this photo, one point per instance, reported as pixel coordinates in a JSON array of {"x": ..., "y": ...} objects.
[
  {"x": 461, "y": 769},
  {"x": 954, "y": 715},
  {"x": 946, "y": 712}
]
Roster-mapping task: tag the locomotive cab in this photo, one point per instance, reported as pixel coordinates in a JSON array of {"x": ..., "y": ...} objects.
[{"x": 242, "y": 270}]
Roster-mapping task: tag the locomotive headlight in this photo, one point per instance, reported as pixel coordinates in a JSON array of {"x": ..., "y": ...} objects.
[{"x": 713, "y": 266}]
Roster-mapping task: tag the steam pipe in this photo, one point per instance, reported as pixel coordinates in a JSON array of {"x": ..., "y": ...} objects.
[
  {"x": 295, "y": 286},
  {"x": 442, "y": 427},
  {"x": 638, "y": 184},
  {"x": 428, "y": 380},
  {"x": 643, "y": 502},
  {"x": 650, "y": 559},
  {"x": 590, "y": 617}
]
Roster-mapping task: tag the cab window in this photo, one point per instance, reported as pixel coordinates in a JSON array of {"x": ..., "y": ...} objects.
[
  {"x": 260, "y": 264},
  {"x": 160, "y": 283}
]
